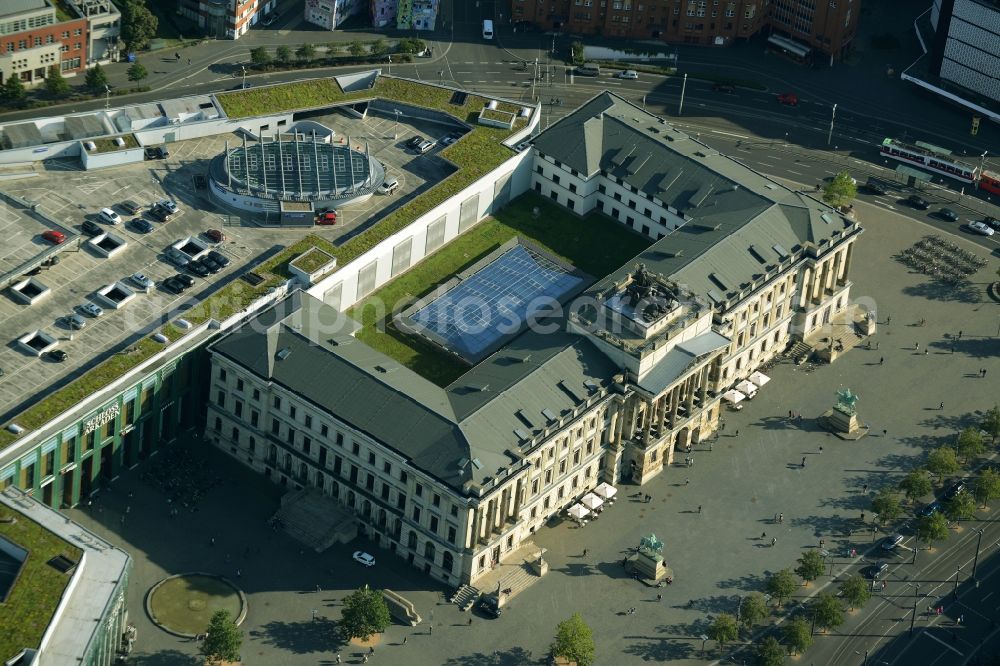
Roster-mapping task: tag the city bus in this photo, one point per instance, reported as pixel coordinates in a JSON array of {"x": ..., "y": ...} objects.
[{"x": 487, "y": 29}]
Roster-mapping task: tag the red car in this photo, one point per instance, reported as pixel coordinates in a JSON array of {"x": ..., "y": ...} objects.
[
  {"x": 215, "y": 235},
  {"x": 53, "y": 236},
  {"x": 791, "y": 99},
  {"x": 327, "y": 217}
]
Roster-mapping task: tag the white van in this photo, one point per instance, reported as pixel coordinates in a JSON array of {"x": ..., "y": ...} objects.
[
  {"x": 388, "y": 186},
  {"x": 487, "y": 29}
]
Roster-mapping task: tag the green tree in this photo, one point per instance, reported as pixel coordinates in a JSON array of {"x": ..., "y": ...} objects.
[
  {"x": 365, "y": 613},
  {"x": 811, "y": 566},
  {"x": 283, "y": 55},
  {"x": 856, "y": 591},
  {"x": 987, "y": 486},
  {"x": 753, "y": 610},
  {"x": 970, "y": 444},
  {"x": 576, "y": 53},
  {"x": 768, "y": 652},
  {"x": 886, "y": 505},
  {"x": 356, "y": 48},
  {"x": 138, "y": 24},
  {"x": 305, "y": 52},
  {"x": 136, "y": 72},
  {"x": 991, "y": 422},
  {"x": 260, "y": 57},
  {"x": 378, "y": 47},
  {"x": 13, "y": 90},
  {"x": 55, "y": 82},
  {"x": 723, "y": 629},
  {"x": 915, "y": 484},
  {"x": 575, "y": 640},
  {"x": 96, "y": 79},
  {"x": 411, "y": 45},
  {"x": 960, "y": 507},
  {"x": 942, "y": 461},
  {"x": 827, "y": 611},
  {"x": 782, "y": 584},
  {"x": 224, "y": 638},
  {"x": 932, "y": 528},
  {"x": 797, "y": 635},
  {"x": 333, "y": 48},
  {"x": 841, "y": 190}
]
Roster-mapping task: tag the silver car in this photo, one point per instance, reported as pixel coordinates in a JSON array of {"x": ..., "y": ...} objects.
[
  {"x": 92, "y": 310},
  {"x": 141, "y": 281},
  {"x": 981, "y": 228}
]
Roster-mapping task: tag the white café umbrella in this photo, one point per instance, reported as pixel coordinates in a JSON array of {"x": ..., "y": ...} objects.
[
  {"x": 591, "y": 501},
  {"x": 759, "y": 378},
  {"x": 578, "y": 511},
  {"x": 605, "y": 490},
  {"x": 746, "y": 387},
  {"x": 733, "y": 396}
]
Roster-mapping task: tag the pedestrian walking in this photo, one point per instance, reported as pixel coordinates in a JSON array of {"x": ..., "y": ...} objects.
[
  {"x": 822, "y": 542},
  {"x": 916, "y": 346},
  {"x": 864, "y": 489},
  {"x": 887, "y": 320},
  {"x": 699, "y": 508},
  {"x": 371, "y": 650},
  {"x": 404, "y": 640},
  {"x": 941, "y": 405},
  {"x": 803, "y": 461},
  {"x": 781, "y": 517},
  {"x": 364, "y": 659},
  {"x": 925, "y": 351},
  {"x": 763, "y": 535},
  {"x": 885, "y": 433},
  {"x": 659, "y": 597},
  {"x": 585, "y": 552},
  {"x": 430, "y": 629},
  {"x": 774, "y": 540},
  {"x": 239, "y": 573},
  {"x": 960, "y": 335},
  {"x": 211, "y": 541},
  {"x": 961, "y": 618},
  {"x": 470, "y": 621},
  {"x": 881, "y": 360},
  {"x": 690, "y": 461},
  {"x": 821, "y": 449},
  {"x": 984, "y": 372},
  {"x": 737, "y": 433},
  {"x": 885, "y": 584},
  {"x": 338, "y": 658},
  {"x": 687, "y": 482},
  {"x": 878, "y": 345}
]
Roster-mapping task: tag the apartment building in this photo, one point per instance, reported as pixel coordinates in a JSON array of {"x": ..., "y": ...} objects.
[
  {"x": 800, "y": 29},
  {"x": 226, "y": 19},
  {"x": 36, "y": 34},
  {"x": 329, "y": 14},
  {"x": 103, "y": 28}
]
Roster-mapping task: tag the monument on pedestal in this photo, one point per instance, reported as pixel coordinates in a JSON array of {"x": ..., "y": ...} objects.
[
  {"x": 842, "y": 420},
  {"x": 649, "y": 564}
]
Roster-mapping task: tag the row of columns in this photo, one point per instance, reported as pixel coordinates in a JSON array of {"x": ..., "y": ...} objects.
[
  {"x": 491, "y": 518},
  {"x": 823, "y": 277},
  {"x": 661, "y": 413}
]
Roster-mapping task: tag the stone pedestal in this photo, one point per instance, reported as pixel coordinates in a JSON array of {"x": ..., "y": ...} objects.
[
  {"x": 845, "y": 426},
  {"x": 650, "y": 567},
  {"x": 539, "y": 567}
]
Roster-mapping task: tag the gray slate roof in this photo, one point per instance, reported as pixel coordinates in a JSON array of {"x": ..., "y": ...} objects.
[
  {"x": 738, "y": 221},
  {"x": 679, "y": 360},
  {"x": 305, "y": 346}
]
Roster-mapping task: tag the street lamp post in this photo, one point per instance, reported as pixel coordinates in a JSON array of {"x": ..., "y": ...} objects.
[
  {"x": 680, "y": 109},
  {"x": 244, "y": 68},
  {"x": 395, "y": 125},
  {"x": 975, "y": 562},
  {"x": 829, "y": 137},
  {"x": 107, "y": 97},
  {"x": 954, "y": 590},
  {"x": 913, "y": 617}
]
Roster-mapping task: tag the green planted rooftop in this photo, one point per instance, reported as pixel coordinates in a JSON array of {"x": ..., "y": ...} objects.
[
  {"x": 38, "y": 588},
  {"x": 595, "y": 244}
]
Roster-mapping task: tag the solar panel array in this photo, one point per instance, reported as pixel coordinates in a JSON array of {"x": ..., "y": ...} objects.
[{"x": 494, "y": 301}]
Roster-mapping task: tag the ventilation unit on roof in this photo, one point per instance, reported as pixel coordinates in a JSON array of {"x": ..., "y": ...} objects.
[
  {"x": 521, "y": 434},
  {"x": 283, "y": 353},
  {"x": 547, "y": 413},
  {"x": 782, "y": 252},
  {"x": 477, "y": 463}
]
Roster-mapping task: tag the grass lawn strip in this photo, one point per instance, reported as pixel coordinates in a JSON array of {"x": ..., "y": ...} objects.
[
  {"x": 38, "y": 588},
  {"x": 594, "y": 244}
]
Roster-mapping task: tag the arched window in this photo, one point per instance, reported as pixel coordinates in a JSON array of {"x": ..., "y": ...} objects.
[
  {"x": 429, "y": 551},
  {"x": 411, "y": 541},
  {"x": 447, "y": 561}
]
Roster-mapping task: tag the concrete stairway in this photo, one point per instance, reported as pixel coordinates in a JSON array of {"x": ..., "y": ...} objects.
[
  {"x": 315, "y": 520},
  {"x": 798, "y": 352},
  {"x": 465, "y": 597}
]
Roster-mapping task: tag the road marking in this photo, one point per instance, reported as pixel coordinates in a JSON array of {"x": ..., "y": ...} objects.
[
  {"x": 738, "y": 136},
  {"x": 933, "y": 637},
  {"x": 797, "y": 173}
]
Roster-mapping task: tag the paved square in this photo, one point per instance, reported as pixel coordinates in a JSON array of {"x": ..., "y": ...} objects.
[{"x": 740, "y": 482}]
